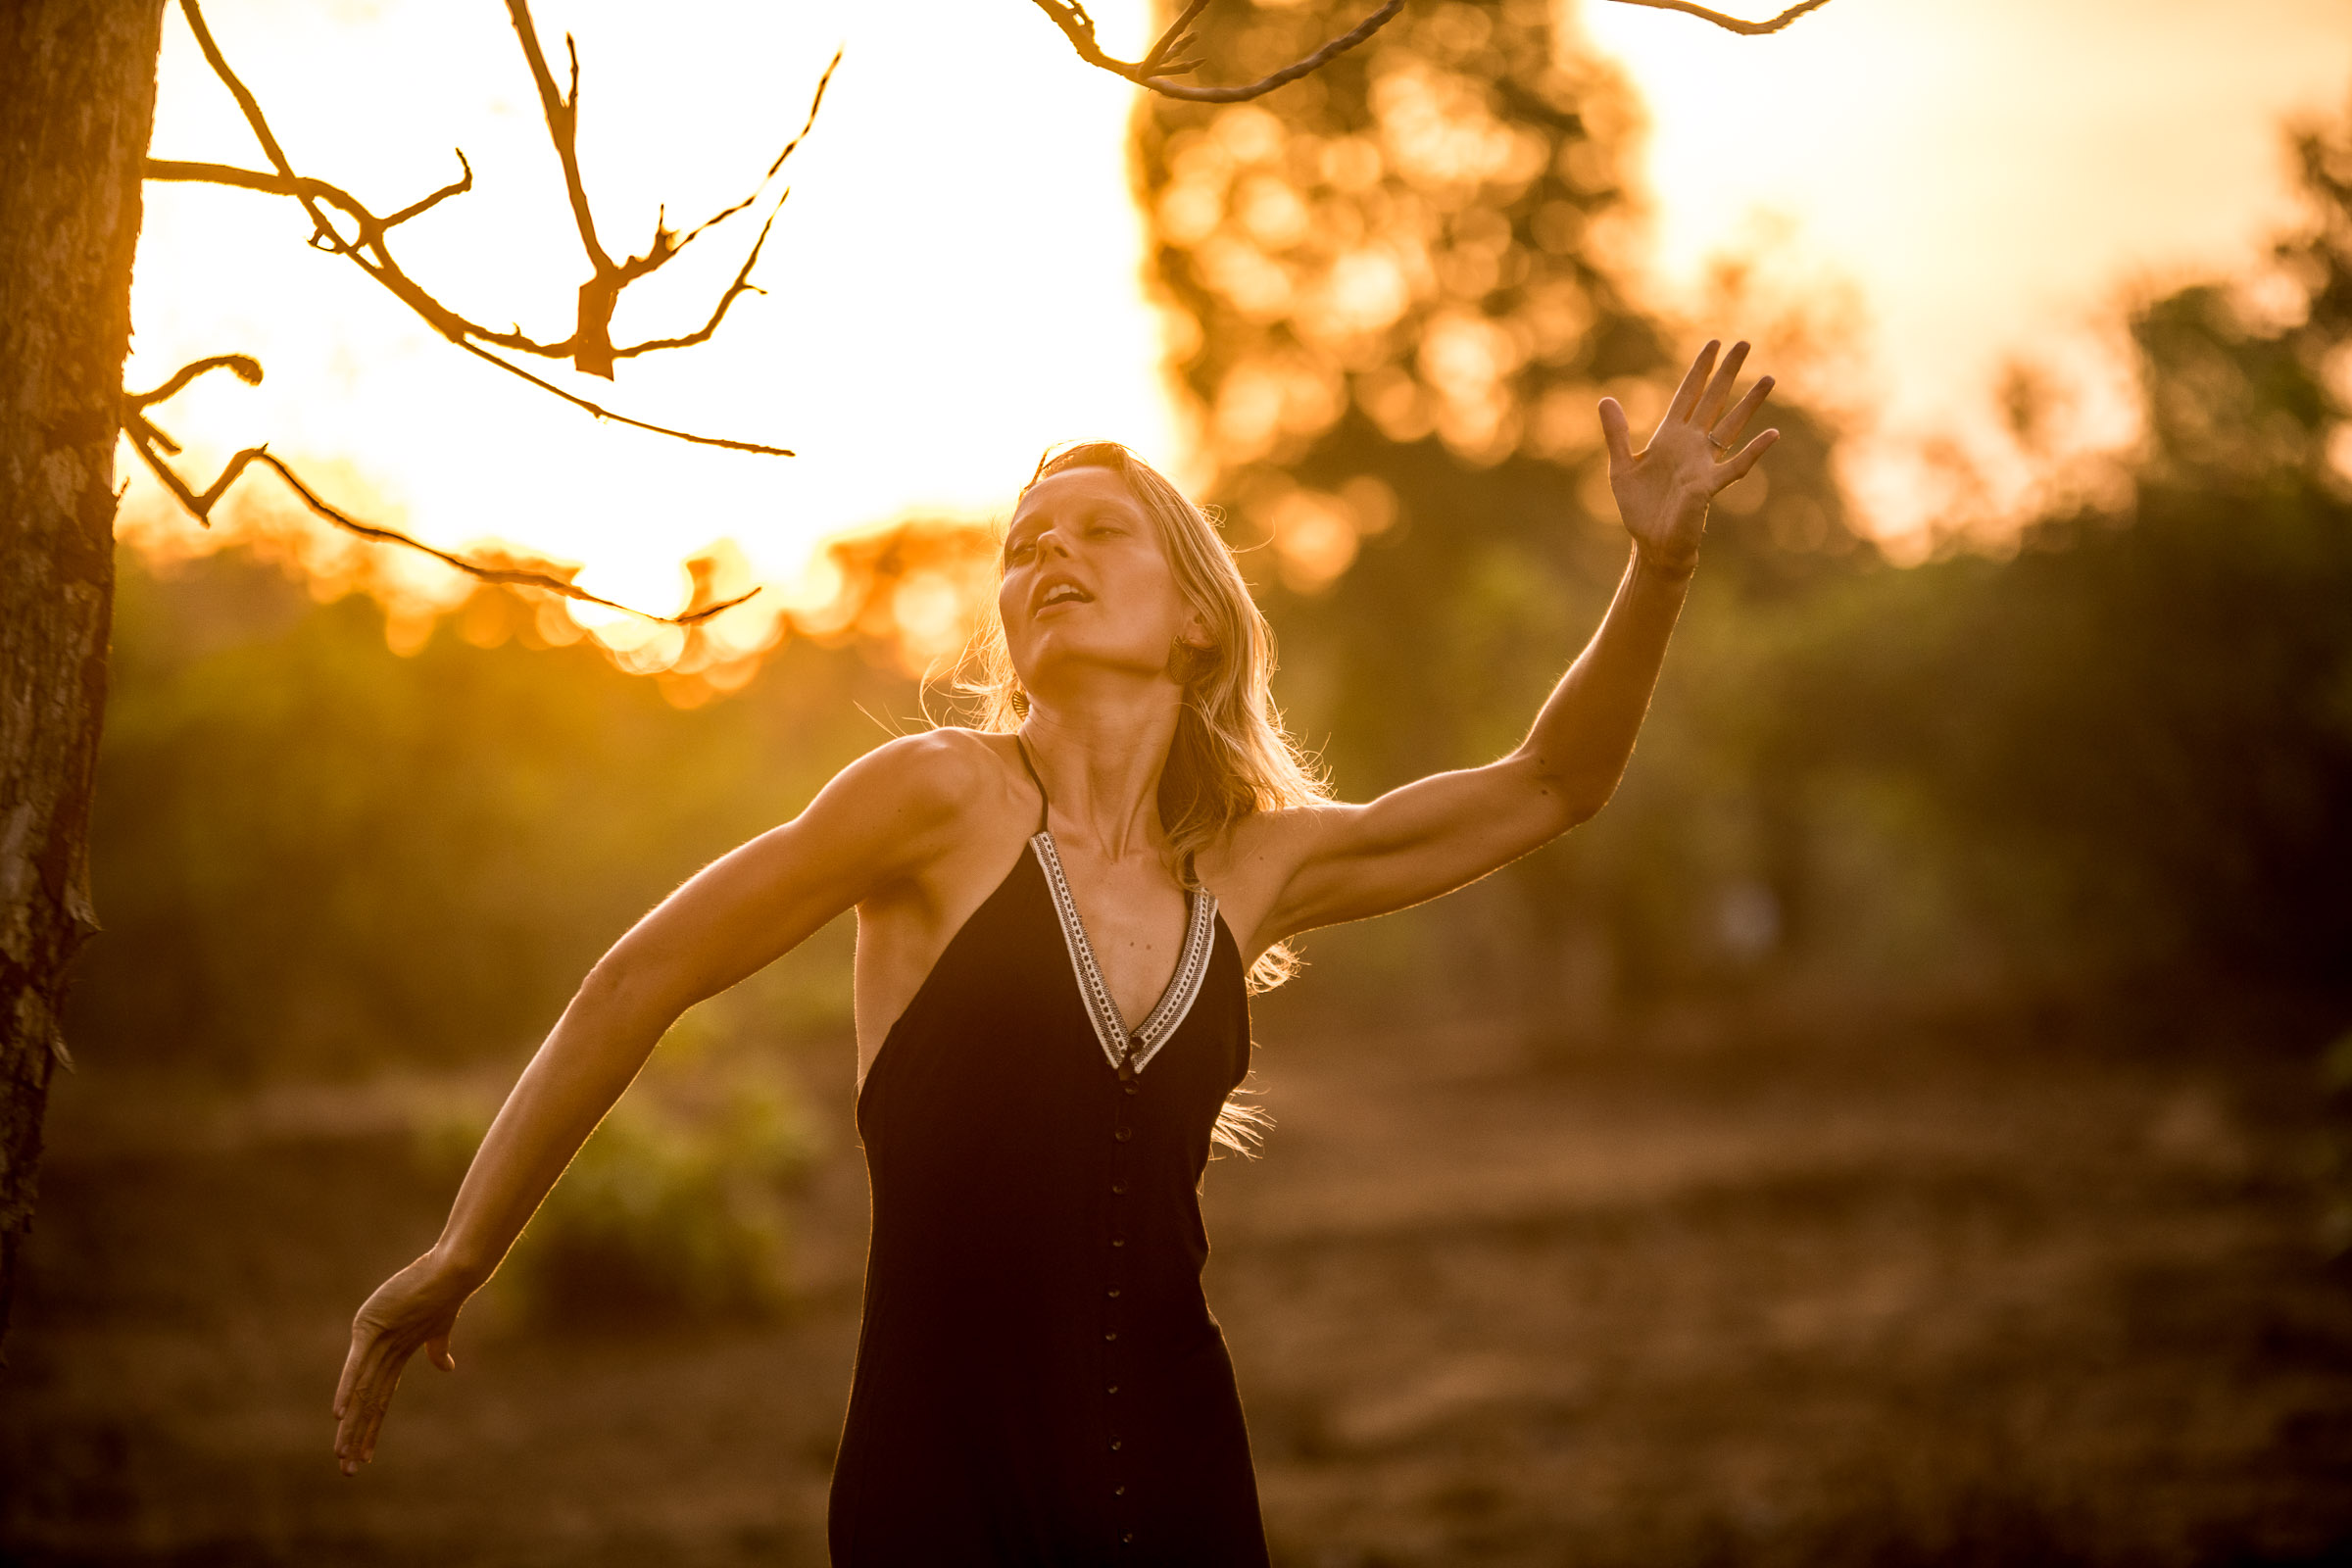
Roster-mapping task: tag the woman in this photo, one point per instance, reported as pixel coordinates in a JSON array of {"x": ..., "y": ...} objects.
[{"x": 1055, "y": 916}]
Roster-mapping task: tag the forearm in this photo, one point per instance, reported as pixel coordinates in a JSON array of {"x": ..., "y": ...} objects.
[
  {"x": 591, "y": 1055},
  {"x": 1584, "y": 736}
]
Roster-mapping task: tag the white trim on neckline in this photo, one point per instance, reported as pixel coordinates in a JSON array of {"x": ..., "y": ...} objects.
[{"x": 1184, "y": 986}]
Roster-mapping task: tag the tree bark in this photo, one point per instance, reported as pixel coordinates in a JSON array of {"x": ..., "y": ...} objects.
[{"x": 77, "y": 104}]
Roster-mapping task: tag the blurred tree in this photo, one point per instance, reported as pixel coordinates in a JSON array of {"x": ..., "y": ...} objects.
[
  {"x": 77, "y": 107},
  {"x": 320, "y": 859},
  {"x": 1397, "y": 289},
  {"x": 2151, "y": 706}
]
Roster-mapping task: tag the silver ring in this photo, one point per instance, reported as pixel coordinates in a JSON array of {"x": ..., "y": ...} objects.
[{"x": 1724, "y": 447}]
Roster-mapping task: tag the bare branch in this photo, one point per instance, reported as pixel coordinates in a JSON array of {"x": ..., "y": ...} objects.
[
  {"x": 457, "y": 187},
  {"x": 589, "y": 347},
  {"x": 790, "y": 147},
  {"x": 1155, "y": 70},
  {"x": 563, "y": 110},
  {"x": 591, "y": 343},
  {"x": 1159, "y": 65},
  {"x": 366, "y": 250},
  {"x": 247, "y": 370},
  {"x": 1732, "y": 24},
  {"x": 603, "y": 413},
  {"x": 146, "y": 439},
  {"x": 743, "y": 284},
  {"x": 252, "y": 109}
]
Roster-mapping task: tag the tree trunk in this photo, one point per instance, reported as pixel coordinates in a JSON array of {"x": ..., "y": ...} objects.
[{"x": 76, "y": 102}]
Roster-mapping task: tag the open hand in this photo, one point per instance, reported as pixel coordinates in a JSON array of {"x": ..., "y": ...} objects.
[
  {"x": 1662, "y": 491},
  {"x": 415, "y": 1309}
]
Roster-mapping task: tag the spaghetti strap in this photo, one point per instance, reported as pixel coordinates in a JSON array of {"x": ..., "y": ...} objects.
[{"x": 1044, "y": 801}]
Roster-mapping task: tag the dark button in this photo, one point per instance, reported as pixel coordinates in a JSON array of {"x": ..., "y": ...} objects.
[
  {"x": 1115, "y": 1444},
  {"x": 1119, "y": 1187},
  {"x": 1126, "y": 1535},
  {"x": 1123, "y": 1134},
  {"x": 1113, "y": 1388},
  {"x": 1119, "y": 1491},
  {"x": 1111, "y": 1334},
  {"x": 1114, "y": 1290},
  {"x": 1131, "y": 1088},
  {"x": 1118, "y": 1241}
]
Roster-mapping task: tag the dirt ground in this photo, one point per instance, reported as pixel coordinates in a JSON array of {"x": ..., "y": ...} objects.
[{"x": 1897, "y": 1295}]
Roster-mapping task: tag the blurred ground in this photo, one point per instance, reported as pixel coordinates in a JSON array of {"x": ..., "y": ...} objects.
[{"x": 1963, "y": 1291}]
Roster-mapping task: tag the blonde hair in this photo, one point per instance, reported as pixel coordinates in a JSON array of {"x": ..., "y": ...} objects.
[{"x": 1230, "y": 756}]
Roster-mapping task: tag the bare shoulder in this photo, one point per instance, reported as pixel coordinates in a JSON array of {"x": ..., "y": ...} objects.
[
  {"x": 920, "y": 800},
  {"x": 931, "y": 773}
]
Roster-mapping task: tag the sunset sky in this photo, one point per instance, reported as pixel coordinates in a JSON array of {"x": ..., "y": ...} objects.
[{"x": 955, "y": 281}]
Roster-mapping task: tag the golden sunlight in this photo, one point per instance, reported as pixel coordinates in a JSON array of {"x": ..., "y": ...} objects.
[
  {"x": 1922, "y": 209},
  {"x": 953, "y": 285},
  {"x": 1939, "y": 198}
]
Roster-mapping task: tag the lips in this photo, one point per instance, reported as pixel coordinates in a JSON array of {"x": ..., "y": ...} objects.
[{"x": 1058, "y": 590}]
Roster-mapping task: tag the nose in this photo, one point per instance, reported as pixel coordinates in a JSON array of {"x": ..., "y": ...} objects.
[{"x": 1050, "y": 539}]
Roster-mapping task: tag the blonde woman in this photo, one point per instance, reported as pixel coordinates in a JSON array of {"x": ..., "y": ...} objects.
[{"x": 1057, "y": 916}]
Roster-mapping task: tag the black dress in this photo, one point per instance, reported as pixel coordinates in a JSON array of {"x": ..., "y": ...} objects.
[{"x": 1039, "y": 1379}]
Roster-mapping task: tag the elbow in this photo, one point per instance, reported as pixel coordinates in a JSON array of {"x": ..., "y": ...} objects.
[
  {"x": 1574, "y": 808},
  {"x": 1580, "y": 808},
  {"x": 1570, "y": 796},
  {"x": 621, "y": 985}
]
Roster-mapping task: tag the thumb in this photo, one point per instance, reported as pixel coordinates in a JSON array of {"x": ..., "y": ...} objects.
[
  {"x": 1613, "y": 430},
  {"x": 436, "y": 1350}
]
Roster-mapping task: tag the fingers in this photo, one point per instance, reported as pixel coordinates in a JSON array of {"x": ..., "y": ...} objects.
[
  {"x": 1719, "y": 390},
  {"x": 1613, "y": 430},
  {"x": 1735, "y": 467},
  {"x": 1685, "y": 396},
  {"x": 369, "y": 1380},
  {"x": 355, "y": 1437},
  {"x": 1726, "y": 429},
  {"x": 351, "y": 1373}
]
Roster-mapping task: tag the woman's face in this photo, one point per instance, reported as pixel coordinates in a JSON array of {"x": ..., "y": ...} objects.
[{"x": 1087, "y": 586}]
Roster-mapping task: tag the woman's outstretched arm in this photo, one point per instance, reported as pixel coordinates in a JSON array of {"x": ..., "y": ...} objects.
[
  {"x": 878, "y": 820},
  {"x": 1346, "y": 862}
]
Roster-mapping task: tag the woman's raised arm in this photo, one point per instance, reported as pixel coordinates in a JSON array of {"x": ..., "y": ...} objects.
[
  {"x": 879, "y": 820},
  {"x": 1346, "y": 862}
]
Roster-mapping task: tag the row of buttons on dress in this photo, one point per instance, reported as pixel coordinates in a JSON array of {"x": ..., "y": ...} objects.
[{"x": 1123, "y": 1134}]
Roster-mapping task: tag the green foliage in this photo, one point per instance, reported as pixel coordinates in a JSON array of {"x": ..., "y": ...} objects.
[
  {"x": 1450, "y": 424},
  {"x": 312, "y": 855},
  {"x": 2123, "y": 752},
  {"x": 673, "y": 1211}
]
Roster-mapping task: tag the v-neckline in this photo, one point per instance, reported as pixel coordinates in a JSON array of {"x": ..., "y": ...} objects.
[{"x": 1126, "y": 1049}]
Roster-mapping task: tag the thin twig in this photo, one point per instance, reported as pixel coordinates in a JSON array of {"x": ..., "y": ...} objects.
[
  {"x": 1731, "y": 23},
  {"x": 563, "y": 110},
  {"x": 774, "y": 169},
  {"x": 254, "y": 118},
  {"x": 1154, "y": 71},
  {"x": 591, "y": 342},
  {"x": 590, "y": 346},
  {"x": 603, "y": 413},
  {"x": 1156, "y": 68},
  {"x": 743, "y": 284},
  {"x": 146, "y": 438}
]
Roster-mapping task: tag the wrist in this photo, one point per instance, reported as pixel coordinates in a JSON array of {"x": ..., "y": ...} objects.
[
  {"x": 455, "y": 1269},
  {"x": 1664, "y": 565}
]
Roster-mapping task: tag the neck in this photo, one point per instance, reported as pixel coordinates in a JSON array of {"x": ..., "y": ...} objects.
[{"x": 1102, "y": 755}]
